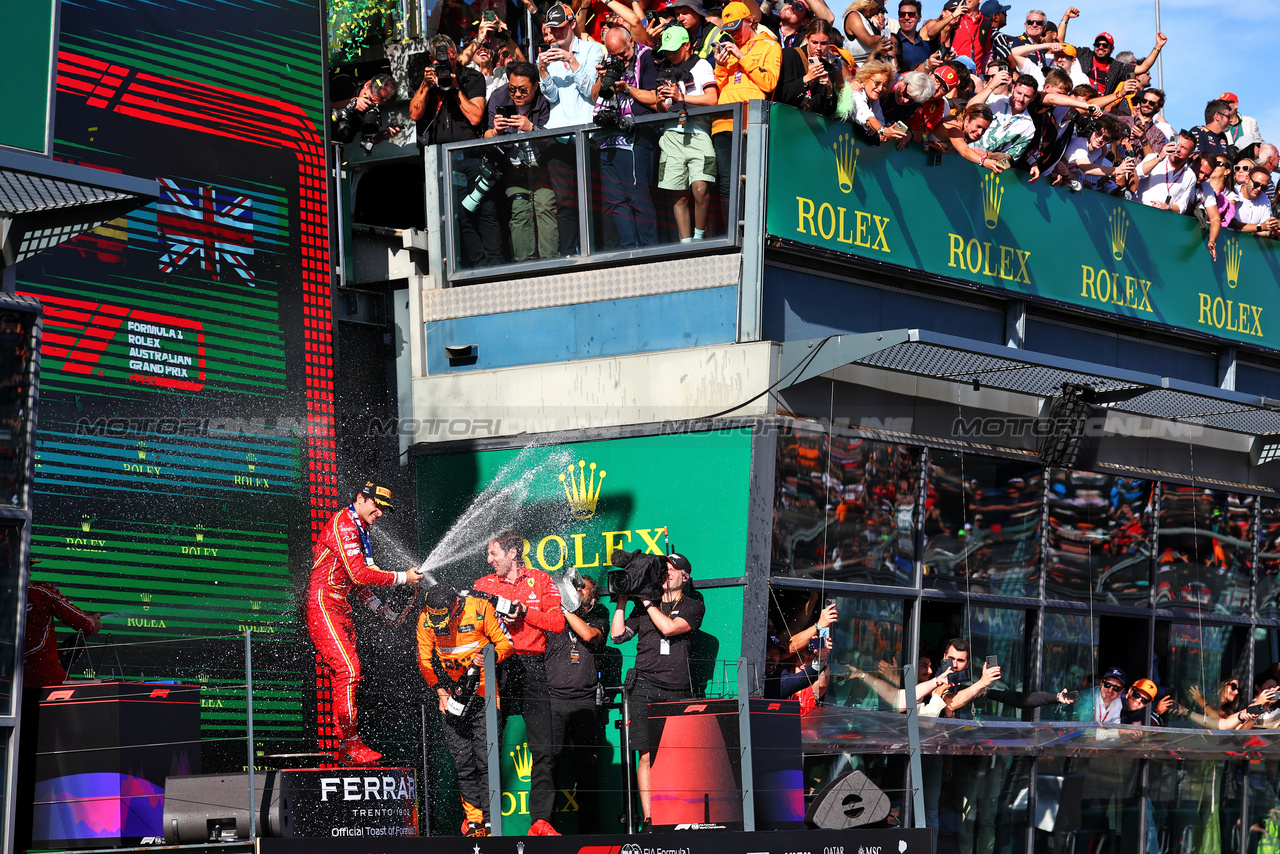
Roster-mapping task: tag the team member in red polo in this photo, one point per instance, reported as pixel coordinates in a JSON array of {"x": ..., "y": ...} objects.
[
  {"x": 529, "y": 604},
  {"x": 343, "y": 562}
]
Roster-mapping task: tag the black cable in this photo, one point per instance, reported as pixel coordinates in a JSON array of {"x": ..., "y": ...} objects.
[{"x": 802, "y": 364}]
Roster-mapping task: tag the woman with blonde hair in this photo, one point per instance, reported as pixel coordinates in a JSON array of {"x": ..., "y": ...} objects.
[
  {"x": 864, "y": 23},
  {"x": 863, "y": 108}
]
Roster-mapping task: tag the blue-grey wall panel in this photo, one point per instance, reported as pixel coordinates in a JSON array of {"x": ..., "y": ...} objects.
[
  {"x": 1107, "y": 349},
  {"x": 589, "y": 330},
  {"x": 800, "y": 305}
]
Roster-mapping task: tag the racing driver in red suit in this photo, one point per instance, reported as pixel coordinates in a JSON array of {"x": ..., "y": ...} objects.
[
  {"x": 45, "y": 603},
  {"x": 344, "y": 561}
]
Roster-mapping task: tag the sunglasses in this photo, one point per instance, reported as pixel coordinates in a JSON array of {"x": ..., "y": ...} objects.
[
  {"x": 1150, "y": 103},
  {"x": 519, "y": 90},
  {"x": 1035, "y": 23},
  {"x": 1142, "y": 698},
  {"x": 1111, "y": 686}
]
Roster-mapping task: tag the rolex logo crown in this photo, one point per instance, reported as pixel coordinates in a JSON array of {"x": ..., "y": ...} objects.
[
  {"x": 1234, "y": 255},
  {"x": 142, "y": 450},
  {"x": 846, "y": 161},
  {"x": 251, "y": 460},
  {"x": 200, "y": 533},
  {"x": 1119, "y": 233},
  {"x": 582, "y": 489},
  {"x": 523, "y": 758},
  {"x": 992, "y": 196},
  {"x": 85, "y": 522},
  {"x": 146, "y": 601}
]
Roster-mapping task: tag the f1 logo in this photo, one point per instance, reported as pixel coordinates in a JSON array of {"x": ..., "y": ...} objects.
[
  {"x": 64, "y": 694},
  {"x": 773, "y": 707},
  {"x": 691, "y": 709},
  {"x": 159, "y": 692}
]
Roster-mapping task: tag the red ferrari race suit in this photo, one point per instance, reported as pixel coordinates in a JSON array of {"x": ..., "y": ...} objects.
[
  {"x": 40, "y": 665},
  {"x": 343, "y": 560}
]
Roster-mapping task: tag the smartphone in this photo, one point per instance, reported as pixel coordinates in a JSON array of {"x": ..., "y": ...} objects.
[
  {"x": 1255, "y": 709},
  {"x": 814, "y": 62},
  {"x": 490, "y": 16},
  {"x": 1073, "y": 695},
  {"x": 992, "y": 661},
  {"x": 901, "y": 127},
  {"x": 507, "y": 111}
]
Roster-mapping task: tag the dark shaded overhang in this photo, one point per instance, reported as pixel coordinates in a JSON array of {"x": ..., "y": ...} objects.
[
  {"x": 44, "y": 202},
  {"x": 950, "y": 358}
]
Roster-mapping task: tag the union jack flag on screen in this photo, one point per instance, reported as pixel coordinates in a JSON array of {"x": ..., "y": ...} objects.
[{"x": 206, "y": 226}]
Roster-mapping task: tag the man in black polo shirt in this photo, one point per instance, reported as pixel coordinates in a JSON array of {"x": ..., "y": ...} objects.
[
  {"x": 661, "y": 672},
  {"x": 573, "y": 674},
  {"x": 450, "y": 108}
]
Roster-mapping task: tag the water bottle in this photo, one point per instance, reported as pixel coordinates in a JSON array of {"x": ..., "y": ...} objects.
[
  {"x": 464, "y": 692},
  {"x": 599, "y": 690}
]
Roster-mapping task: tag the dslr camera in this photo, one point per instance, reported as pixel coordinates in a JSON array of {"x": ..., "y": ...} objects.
[
  {"x": 444, "y": 71},
  {"x": 348, "y": 122},
  {"x": 612, "y": 70}
]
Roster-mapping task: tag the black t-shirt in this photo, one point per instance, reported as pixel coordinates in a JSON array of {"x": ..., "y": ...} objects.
[
  {"x": 572, "y": 669},
  {"x": 1211, "y": 142},
  {"x": 447, "y": 123},
  {"x": 671, "y": 670}
]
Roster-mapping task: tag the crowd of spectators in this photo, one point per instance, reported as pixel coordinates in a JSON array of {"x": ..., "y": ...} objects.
[{"x": 960, "y": 82}]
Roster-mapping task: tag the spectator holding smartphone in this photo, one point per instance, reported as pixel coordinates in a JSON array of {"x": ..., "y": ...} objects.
[
  {"x": 521, "y": 108},
  {"x": 812, "y": 72}
]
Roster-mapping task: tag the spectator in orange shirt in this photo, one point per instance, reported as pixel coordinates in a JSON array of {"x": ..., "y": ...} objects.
[{"x": 747, "y": 69}]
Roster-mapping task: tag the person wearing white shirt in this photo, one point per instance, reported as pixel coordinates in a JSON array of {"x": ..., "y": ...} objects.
[
  {"x": 1012, "y": 127},
  {"x": 1165, "y": 180},
  {"x": 1253, "y": 211},
  {"x": 567, "y": 66},
  {"x": 1084, "y": 154}
]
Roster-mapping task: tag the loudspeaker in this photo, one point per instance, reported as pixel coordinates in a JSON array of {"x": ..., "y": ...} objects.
[
  {"x": 215, "y": 807},
  {"x": 850, "y": 800}
]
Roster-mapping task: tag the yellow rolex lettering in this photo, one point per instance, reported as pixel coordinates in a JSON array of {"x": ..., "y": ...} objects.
[
  {"x": 1256, "y": 311},
  {"x": 805, "y": 213},
  {"x": 862, "y": 219},
  {"x": 561, "y": 551},
  {"x": 986, "y": 259},
  {"x": 1088, "y": 289},
  {"x": 1145, "y": 305},
  {"x": 881, "y": 242},
  {"x": 1219, "y": 312},
  {"x": 613, "y": 541},
  {"x": 1024, "y": 275},
  {"x": 826, "y": 217},
  {"x": 973, "y": 263},
  {"x": 1006, "y": 253},
  {"x": 578, "y": 560},
  {"x": 650, "y": 543},
  {"x": 957, "y": 251},
  {"x": 1206, "y": 306},
  {"x": 841, "y": 236}
]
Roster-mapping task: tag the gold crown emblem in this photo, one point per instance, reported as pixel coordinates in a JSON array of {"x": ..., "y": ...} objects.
[
  {"x": 146, "y": 601},
  {"x": 583, "y": 493},
  {"x": 846, "y": 161},
  {"x": 1234, "y": 255},
  {"x": 992, "y": 195},
  {"x": 1119, "y": 233},
  {"x": 523, "y": 758},
  {"x": 255, "y": 605},
  {"x": 199, "y": 533},
  {"x": 142, "y": 450},
  {"x": 251, "y": 460},
  {"x": 85, "y": 522}
]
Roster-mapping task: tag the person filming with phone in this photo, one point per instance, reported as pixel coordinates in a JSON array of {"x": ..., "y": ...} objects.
[
  {"x": 813, "y": 72},
  {"x": 520, "y": 107}
]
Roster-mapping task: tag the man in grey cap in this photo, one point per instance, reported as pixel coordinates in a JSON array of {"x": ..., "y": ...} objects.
[{"x": 702, "y": 33}]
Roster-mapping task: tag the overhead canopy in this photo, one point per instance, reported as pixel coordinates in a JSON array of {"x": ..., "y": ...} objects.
[
  {"x": 947, "y": 357},
  {"x": 44, "y": 202}
]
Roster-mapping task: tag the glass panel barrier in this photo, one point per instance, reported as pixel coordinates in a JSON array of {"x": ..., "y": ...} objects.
[
  {"x": 982, "y": 524},
  {"x": 1205, "y": 551},
  {"x": 1100, "y": 535},
  {"x": 1269, "y": 562},
  {"x": 600, "y": 191},
  {"x": 1070, "y": 657},
  {"x": 1194, "y": 806},
  {"x": 846, "y": 508}
]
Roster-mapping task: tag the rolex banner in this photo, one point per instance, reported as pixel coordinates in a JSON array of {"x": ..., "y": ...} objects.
[{"x": 963, "y": 222}]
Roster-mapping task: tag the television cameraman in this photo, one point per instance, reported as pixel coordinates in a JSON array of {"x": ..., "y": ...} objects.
[
  {"x": 362, "y": 115},
  {"x": 449, "y": 107},
  {"x": 661, "y": 672}
]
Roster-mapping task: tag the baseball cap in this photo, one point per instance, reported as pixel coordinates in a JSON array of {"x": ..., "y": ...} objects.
[
  {"x": 951, "y": 5},
  {"x": 950, "y": 79},
  {"x": 993, "y": 7},
  {"x": 692, "y": 5},
  {"x": 440, "y": 599},
  {"x": 1229, "y": 96},
  {"x": 1104, "y": 37},
  {"x": 381, "y": 495},
  {"x": 680, "y": 562},
  {"x": 557, "y": 15},
  {"x": 967, "y": 62},
  {"x": 1145, "y": 687},
  {"x": 733, "y": 15},
  {"x": 1115, "y": 673},
  {"x": 672, "y": 38},
  {"x": 1068, "y": 50}
]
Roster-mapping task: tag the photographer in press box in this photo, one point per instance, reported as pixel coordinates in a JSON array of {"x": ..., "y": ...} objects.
[{"x": 362, "y": 115}]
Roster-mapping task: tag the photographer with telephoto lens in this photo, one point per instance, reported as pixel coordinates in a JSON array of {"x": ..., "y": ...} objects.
[
  {"x": 627, "y": 86},
  {"x": 362, "y": 115},
  {"x": 664, "y": 619},
  {"x": 449, "y": 107}
]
